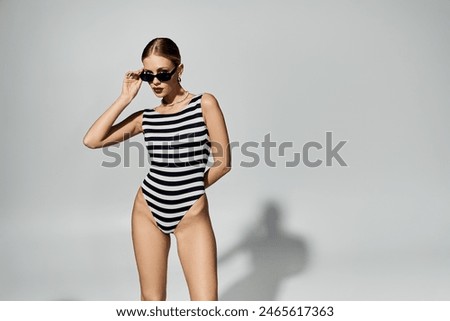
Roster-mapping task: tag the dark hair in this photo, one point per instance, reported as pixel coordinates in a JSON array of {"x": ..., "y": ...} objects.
[{"x": 164, "y": 47}]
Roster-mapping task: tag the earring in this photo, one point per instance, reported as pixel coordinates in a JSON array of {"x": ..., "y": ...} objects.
[{"x": 179, "y": 79}]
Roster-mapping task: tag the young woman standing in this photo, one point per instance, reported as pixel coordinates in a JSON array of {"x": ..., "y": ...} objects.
[{"x": 180, "y": 134}]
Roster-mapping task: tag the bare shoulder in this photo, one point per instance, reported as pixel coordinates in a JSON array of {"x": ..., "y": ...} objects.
[
  {"x": 210, "y": 105},
  {"x": 212, "y": 113}
]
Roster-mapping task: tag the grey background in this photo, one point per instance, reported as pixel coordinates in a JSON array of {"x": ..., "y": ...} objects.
[{"x": 374, "y": 73}]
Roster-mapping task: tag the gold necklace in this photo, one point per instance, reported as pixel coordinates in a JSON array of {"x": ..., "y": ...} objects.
[{"x": 177, "y": 102}]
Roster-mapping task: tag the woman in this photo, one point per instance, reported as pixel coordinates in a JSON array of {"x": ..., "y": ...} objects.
[{"x": 180, "y": 134}]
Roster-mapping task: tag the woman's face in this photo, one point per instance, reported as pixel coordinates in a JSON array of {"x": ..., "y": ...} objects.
[{"x": 157, "y": 64}]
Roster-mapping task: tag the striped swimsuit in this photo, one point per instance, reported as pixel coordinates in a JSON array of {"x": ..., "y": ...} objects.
[{"x": 178, "y": 145}]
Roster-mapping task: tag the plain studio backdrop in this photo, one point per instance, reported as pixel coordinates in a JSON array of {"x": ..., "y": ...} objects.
[{"x": 374, "y": 74}]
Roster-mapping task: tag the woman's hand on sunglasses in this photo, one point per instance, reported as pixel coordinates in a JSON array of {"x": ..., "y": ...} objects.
[{"x": 131, "y": 83}]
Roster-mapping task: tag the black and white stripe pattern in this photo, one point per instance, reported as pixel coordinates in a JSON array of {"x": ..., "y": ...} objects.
[{"x": 178, "y": 145}]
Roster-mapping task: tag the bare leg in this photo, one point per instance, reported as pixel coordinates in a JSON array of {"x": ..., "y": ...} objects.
[
  {"x": 151, "y": 249},
  {"x": 196, "y": 245}
]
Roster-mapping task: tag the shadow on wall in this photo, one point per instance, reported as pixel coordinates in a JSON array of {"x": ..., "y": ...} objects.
[{"x": 275, "y": 256}]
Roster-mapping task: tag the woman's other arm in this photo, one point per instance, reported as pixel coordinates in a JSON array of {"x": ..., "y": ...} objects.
[{"x": 218, "y": 134}]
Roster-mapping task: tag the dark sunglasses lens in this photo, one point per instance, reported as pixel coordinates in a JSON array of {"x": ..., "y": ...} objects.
[
  {"x": 147, "y": 77},
  {"x": 164, "y": 76}
]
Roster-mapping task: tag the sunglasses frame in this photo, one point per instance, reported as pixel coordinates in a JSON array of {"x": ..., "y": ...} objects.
[{"x": 161, "y": 76}]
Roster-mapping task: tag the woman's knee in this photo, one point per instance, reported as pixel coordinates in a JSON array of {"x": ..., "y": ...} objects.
[
  {"x": 149, "y": 295},
  {"x": 205, "y": 297}
]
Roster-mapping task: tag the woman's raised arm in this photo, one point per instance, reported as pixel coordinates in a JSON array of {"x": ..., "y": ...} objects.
[{"x": 103, "y": 133}]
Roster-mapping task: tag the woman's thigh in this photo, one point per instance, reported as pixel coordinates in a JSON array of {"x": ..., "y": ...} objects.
[
  {"x": 151, "y": 249},
  {"x": 196, "y": 246}
]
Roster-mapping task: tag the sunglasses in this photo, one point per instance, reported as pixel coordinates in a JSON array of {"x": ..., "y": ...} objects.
[{"x": 162, "y": 76}]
